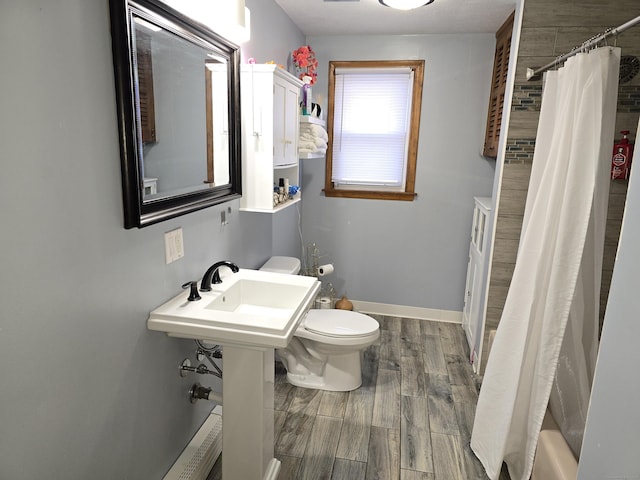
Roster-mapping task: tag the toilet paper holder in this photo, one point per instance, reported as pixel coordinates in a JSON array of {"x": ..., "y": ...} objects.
[{"x": 325, "y": 269}]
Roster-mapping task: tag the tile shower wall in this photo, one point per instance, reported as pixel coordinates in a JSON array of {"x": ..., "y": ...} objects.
[
  {"x": 549, "y": 29},
  {"x": 629, "y": 99}
]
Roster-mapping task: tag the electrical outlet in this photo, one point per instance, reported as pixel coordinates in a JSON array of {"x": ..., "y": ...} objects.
[{"x": 173, "y": 245}]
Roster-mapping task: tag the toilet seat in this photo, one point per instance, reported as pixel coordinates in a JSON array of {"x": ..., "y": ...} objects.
[{"x": 339, "y": 323}]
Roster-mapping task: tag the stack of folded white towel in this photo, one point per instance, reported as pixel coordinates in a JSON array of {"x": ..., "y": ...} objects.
[{"x": 313, "y": 139}]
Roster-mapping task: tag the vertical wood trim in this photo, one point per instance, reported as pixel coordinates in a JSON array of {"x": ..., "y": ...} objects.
[
  {"x": 146, "y": 97},
  {"x": 208, "y": 86},
  {"x": 414, "y": 128},
  {"x": 328, "y": 184}
]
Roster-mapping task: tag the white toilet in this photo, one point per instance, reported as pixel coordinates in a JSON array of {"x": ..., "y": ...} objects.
[{"x": 324, "y": 353}]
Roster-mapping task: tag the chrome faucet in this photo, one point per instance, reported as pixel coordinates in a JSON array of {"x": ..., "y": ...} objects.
[{"x": 212, "y": 272}]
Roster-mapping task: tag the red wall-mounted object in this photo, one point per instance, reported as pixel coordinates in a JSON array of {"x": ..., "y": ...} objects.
[{"x": 621, "y": 159}]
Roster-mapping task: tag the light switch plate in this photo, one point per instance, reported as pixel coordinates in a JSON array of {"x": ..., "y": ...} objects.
[{"x": 173, "y": 245}]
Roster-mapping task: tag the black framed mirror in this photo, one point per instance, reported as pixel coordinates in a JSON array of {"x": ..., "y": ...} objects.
[{"x": 178, "y": 104}]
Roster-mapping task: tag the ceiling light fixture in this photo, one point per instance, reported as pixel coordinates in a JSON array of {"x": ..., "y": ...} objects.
[{"x": 405, "y": 4}]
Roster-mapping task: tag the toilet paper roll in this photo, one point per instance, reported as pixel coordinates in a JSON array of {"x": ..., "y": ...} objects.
[
  {"x": 325, "y": 269},
  {"x": 323, "y": 302}
]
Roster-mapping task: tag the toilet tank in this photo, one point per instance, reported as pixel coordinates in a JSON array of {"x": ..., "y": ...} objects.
[{"x": 289, "y": 265}]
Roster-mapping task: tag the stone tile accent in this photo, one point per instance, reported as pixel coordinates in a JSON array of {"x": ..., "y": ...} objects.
[
  {"x": 527, "y": 97},
  {"x": 520, "y": 150}
]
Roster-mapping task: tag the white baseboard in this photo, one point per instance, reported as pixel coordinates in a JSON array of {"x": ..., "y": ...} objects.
[{"x": 448, "y": 316}]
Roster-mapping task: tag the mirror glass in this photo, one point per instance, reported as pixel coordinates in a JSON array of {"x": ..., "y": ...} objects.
[{"x": 179, "y": 113}]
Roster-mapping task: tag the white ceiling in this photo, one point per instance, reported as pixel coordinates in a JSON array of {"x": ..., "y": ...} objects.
[{"x": 369, "y": 17}]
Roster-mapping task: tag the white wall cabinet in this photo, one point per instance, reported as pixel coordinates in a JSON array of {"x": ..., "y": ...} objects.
[
  {"x": 270, "y": 99},
  {"x": 472, "y": 314}
]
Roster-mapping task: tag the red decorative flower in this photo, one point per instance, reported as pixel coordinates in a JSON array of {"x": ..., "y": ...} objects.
[{"x": 304, "y": 59}]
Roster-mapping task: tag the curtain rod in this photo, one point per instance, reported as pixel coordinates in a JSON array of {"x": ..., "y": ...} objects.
[{"x": 531, "y": 73}]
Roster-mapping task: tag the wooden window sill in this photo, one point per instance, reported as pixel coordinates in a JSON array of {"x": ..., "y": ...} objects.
[{"x": 374, "y": 195}]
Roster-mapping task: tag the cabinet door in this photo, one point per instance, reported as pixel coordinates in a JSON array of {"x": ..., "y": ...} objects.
[
  {"x": 472, "y": 316},
  {"x": 279, "y": 121},
  {"x": 285, "y": 129},
  {"x": 468, "y": 298},
  {"x": 471, "y": 313},
  {"x": 291, "y": 124}
]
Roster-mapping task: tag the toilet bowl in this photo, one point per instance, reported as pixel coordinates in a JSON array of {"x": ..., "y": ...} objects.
[{"x": 324, "y": 353}]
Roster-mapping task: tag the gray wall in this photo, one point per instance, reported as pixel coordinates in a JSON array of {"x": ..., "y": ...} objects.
[
  {"x": 411, "y": 253},
  {"x": 87, "y": 391}
]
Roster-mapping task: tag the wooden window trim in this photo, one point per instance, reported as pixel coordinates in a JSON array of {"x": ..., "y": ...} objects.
[
  {"x": 145, "y": 87},
  {"x": 208, "y": 94},
  {"x": 412, "y": 153}
]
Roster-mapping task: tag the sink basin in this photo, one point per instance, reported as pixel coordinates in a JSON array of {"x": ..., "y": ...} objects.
[{"x": 250, "y": 307}]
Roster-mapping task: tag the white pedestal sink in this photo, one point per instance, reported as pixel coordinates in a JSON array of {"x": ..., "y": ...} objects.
[{"x": 250, "y": 313}]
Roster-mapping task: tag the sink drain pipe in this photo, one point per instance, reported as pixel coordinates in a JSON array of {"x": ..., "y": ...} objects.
[{"x": 198, "y": 392}]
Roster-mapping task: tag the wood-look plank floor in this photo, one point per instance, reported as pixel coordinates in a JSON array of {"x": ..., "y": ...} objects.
[{"x": 410, "y": 420}]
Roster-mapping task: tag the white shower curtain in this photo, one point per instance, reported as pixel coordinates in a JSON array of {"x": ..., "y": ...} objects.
[{"x": 552, "y": 307}]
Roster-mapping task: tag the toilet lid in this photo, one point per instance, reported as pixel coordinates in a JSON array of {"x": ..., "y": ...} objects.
[{"x": 339, "y": 323}]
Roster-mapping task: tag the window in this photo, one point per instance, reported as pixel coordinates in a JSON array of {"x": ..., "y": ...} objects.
[{"x": 373, "y": 125}]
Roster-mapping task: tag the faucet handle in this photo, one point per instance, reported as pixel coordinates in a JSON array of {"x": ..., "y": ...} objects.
[{"x": 193, "y": 293}]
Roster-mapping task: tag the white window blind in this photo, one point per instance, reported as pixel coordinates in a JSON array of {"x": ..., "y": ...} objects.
[{"x": 372, "y": 114}]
